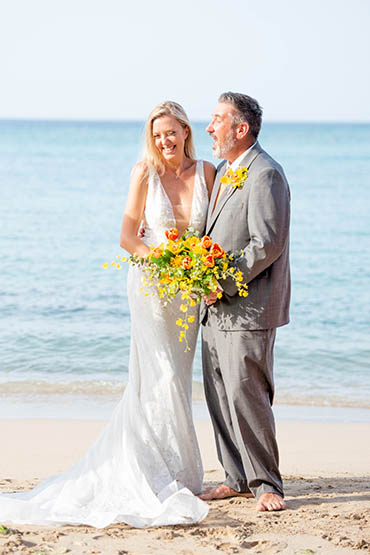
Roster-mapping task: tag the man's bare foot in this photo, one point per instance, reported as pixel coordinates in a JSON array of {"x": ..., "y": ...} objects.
[
  {"x": 221, "y": 492},
  {"x": 270, "y": 502}
]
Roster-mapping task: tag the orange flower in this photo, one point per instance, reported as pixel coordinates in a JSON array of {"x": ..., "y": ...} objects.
[
  {"x": 156, "y": 253},
  {"x": 206, "y": 242},
  {"x": 171, "y": 234},
  {"x": 187, "y": 263},
  {"x": 209, "y": 261},
  {"x": 217, "y": 251}
]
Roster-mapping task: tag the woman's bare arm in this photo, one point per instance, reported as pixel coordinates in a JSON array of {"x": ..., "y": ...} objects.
[
  {"x": 134, "y": 211},
  {"x": 209, "y": 175}
]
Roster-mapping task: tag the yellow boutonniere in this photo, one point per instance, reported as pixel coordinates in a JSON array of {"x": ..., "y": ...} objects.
[{"x": 237, "y": 178}]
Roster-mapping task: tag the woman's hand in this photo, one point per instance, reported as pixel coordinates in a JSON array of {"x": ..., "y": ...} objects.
[{"x": 212, "y": 297}]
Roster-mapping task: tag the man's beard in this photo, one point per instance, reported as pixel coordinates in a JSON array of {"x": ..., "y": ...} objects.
[{"x": 222, "y": 150}]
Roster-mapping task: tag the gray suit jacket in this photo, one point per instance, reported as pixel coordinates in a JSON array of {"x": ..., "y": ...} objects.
[{"x": 254, "y": 219}]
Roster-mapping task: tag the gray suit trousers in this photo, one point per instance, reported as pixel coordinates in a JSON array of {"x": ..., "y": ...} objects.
[{"x": 238, "y": 381}]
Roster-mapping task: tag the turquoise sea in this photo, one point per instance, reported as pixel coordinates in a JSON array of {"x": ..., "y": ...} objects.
[{"x": 64, "y": 321}]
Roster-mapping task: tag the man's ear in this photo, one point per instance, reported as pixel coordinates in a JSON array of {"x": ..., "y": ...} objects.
[{"x": 242, "y": 130}]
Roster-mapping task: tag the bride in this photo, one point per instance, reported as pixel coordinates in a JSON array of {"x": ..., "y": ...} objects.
[{"x": 145, "y": 468}]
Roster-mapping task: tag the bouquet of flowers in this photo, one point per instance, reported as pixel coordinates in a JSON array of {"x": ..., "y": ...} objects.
[{"x": 186, "y": 265}]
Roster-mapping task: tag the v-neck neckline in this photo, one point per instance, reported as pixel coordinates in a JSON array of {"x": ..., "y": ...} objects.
[{"x": 192, "y": 200}]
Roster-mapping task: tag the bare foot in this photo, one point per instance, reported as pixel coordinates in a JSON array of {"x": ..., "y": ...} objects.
[
  {"x": 221, "y": 492},
  {"x": 270, "y": 502}
]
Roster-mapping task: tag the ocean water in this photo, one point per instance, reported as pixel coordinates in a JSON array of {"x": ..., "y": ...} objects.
[{"x": 64, "y": 321}]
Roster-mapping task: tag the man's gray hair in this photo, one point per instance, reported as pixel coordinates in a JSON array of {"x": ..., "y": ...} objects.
[{"x": 247, "y": 108}]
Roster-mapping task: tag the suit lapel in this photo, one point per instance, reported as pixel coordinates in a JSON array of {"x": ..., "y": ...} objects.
[{"x": 229, "y": 191}]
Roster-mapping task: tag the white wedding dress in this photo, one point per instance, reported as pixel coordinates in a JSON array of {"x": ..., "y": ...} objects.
[{"x": 145, "y": 468}]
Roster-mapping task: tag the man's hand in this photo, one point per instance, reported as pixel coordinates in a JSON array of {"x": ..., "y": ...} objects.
[{"x": 212, "y": 297}]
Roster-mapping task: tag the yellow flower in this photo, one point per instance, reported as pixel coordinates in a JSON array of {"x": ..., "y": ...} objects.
[
  {"x": 183, "y": 308},
  {"x": 237, "y": 178},
  {"x": 105, "y": 266},
  {"x": 118, "y": 266},
  {"x": 191, "y": 242},
  {"x": 165, "y": 280},
  {"x": 179, "y": 322},
  {"x": 113, "y": 263},
  {"x": 191, "y": 319},
  {"x": 176, "y": 261},
  {"x": 173, "y": 246},
  {"x": 123, "y": 259},
  {"x": 219, "y": 295},
  {"x": 199, "y": 250}
]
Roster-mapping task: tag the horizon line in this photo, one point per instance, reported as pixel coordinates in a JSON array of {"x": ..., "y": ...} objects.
[{"x": 141, "y": 121}]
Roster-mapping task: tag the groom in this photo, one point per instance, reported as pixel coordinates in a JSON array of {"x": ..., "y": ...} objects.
[{"x": 238, "y": 333}]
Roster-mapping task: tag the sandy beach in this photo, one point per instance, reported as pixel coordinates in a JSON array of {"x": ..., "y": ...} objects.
[{"x": 326, "y": 469}]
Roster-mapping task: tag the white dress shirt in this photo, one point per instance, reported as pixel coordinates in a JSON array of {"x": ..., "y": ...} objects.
[{"x": 236, "y": 162}]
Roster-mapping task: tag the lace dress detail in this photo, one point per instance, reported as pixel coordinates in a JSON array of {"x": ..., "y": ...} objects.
[{"x": 145, "y": 467}]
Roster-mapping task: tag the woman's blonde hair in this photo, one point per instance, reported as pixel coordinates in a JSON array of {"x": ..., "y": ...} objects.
[{"x": 151, "y": 155}]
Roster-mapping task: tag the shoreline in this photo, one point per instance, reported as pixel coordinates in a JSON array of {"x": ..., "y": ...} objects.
[
  {"x": 88, "y": 407},
  {"x": 110, "y": 391},
  {"x": 326, "y": 476}
]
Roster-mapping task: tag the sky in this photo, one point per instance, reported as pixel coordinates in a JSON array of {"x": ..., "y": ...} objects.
[{"x": 117, "y": 59}]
